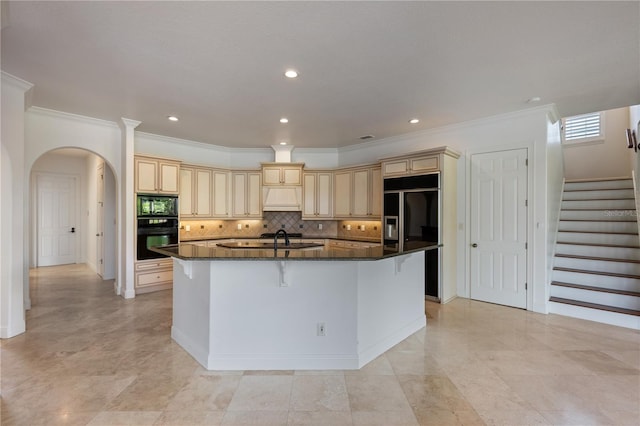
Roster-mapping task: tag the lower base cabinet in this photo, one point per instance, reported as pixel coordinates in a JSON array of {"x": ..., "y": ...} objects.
[{"x": 153, "y": 275}]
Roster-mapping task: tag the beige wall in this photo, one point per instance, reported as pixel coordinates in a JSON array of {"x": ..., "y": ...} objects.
[{"x": 609, "y": 158}]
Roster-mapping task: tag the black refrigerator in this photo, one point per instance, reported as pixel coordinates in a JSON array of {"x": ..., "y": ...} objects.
[{"x": 412, "y": 220}]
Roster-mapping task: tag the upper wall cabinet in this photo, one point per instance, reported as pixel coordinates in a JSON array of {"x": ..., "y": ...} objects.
[
  {"x": 156, "y": 175},
  {"x": 221, "y": 193},
  {"x": 411, "y": 165},
  {"x": 282, "y": 174},
  {"x": 195, "y": 191},
  {"x": 358, "y": 193},
  {"x": 317, "y": 198},
  {"x": 246, "y": 194}
]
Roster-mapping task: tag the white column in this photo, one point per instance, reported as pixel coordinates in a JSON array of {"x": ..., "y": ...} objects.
[
  {"x": 13, "y": 224},
  {"x": 126, "y": 228}
]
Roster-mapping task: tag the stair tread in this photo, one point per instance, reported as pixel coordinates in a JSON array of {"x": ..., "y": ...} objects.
[
  {"x": 598, "y": 189},
  {"x": 606, "y": 259},
  {"x": 608, "y": 274},
  {"x": 593, "y": 209},
  {"x": 599, "y": 232},
  {"x": 595, "y": 306},
  {"x": 601, "y": 179},
  {"x": 597, "y": 245},
  {"x": 600, "y": 199},
  {"x": 594, "y": 288},
  {"x": 598, "y": 220}
]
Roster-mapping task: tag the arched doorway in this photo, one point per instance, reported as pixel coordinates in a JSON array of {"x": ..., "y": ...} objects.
[{"x": 73, "y": 212}]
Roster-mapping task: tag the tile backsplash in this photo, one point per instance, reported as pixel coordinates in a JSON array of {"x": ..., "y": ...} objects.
[
  {"x": 360, "y": 229},
  {"x": 272, "y": 221}
]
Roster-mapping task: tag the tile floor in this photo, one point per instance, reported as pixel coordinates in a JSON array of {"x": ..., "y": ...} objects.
[{"x": 90, "y": 357}]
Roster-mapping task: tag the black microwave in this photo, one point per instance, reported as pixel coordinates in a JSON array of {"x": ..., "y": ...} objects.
[{"x": 157, "y": 206}]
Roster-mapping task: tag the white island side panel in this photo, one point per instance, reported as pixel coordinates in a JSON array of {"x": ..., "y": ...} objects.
[
  {"x": 390, "y": 303},
  {"x": 274, "y": 326},
  {"x": 264, "y": 315},
  {"x": 191, "y": 307}
]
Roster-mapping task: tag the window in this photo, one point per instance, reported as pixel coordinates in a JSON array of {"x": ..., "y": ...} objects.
[{"x": 583, "y": 128}]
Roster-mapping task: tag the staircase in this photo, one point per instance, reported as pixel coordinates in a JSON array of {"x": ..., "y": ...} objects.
[{"x": 596, "y": 274}]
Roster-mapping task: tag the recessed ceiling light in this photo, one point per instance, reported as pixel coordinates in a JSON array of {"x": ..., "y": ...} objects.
[
  {"x": 283, "y": 143},
  {"x": 365, "y": 137},
  {"x": 533, "y": 99},
  {"x": 284, "y": 120},
  {"x": 414, "y": 121},
  {"x": 291, "y": 73},
  {"x": 172, "y": 118}
]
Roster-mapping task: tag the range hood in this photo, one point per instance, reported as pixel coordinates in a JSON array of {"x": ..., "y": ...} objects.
[{"x": 282, "y": 198}]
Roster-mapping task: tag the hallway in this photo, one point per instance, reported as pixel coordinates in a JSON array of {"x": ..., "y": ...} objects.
[{"x": 90, "y": 357}]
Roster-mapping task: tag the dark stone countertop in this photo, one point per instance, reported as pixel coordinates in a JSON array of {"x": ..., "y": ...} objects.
[
  {"x": 311, "y": 237},
  {"x": 186, "y": 251}
]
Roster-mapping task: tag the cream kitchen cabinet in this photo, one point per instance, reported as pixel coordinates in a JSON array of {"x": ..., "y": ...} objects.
[
  {"x": 153, "y": 275},
  {"x": 411, "y": 165},
  {"x": 195, "y": 192},
  {"x": 156, "y": 175},
  {"x": 282, "y": 174},
  {"x": 221, "y": 193},
  {"x": 317, "y": 195},
  {"x": 246, "y": 194},
  {"x": 358, "y": 193}
]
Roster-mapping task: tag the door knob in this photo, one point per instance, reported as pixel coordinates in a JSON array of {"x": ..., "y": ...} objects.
[{"x": 474, "y": 245}]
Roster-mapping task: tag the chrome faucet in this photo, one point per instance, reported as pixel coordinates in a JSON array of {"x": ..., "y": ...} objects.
[{"x": 275, "y": 238}]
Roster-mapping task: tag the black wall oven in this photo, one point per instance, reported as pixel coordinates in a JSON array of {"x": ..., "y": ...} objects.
[{"x": 157, "y": 220}]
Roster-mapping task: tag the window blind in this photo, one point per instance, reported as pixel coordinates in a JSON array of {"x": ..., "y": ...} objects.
[{"x": 582, "y": 126}]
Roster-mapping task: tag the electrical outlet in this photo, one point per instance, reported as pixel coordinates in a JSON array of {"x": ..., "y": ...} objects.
[
  {"x": 320, "y": 226},
  {"x": 362, "y": 227},
  {"x": 187, "y": 228},
  {"x": 322, "y": 329},
  {"x": 239, "y": 226}
]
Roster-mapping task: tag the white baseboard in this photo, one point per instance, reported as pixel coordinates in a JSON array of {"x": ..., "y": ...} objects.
[
  {"x": 192, "y": 349},
  {"x": 372, "y": 352}
]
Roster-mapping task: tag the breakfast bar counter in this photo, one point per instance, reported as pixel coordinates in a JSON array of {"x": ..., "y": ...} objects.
[{"x": 296, "y": 309}]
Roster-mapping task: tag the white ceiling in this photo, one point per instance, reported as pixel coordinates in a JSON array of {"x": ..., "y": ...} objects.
[{"x": 365, "y": 67}]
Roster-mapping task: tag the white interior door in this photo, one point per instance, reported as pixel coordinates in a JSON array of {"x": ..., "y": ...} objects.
[
  {"x": 499, "y": 227},
  {"x": 56, "y": 220}
]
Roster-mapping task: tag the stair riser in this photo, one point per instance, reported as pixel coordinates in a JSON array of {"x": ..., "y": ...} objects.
[
  {"x": 587, "y": 238},
  {"x": 616, "y": 283},
  {"x": 600, "y": 204},
  {"x": 598, "y": 251},
  {"x": 618, "y": 227},
  {"x": 602, "y": 184},
  {"x": 607, "y": 194},
  {"x": 598, "y": 265},
  {"x": 610, "y": 215},
  {"x": 609, "y": 299},
  {"x": 620, "y": 320}
]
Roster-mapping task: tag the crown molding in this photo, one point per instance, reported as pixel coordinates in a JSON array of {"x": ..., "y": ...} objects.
[
  {"x": 185, "y": 142},
  {"x": 72, "y": 117},
  {"x": 130, "y": 123},
  {"x": 449, "y": 128},
  {"x": 16, "y": 81}
]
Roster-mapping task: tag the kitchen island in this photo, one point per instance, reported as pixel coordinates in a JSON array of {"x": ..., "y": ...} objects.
[{"x": 307, "y": 309}]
